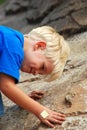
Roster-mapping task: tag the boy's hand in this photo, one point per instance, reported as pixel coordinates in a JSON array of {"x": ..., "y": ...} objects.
[
  {"x": 36, "y": 95},
  {"x": 52, "y": 118}
]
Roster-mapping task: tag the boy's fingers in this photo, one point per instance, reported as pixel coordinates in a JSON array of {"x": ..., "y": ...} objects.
[
  {"x": 59, "y": 118},
  {"x": 36, "y": 92},
  {"x": 60, "y": 114},
  {"x": 39, "y": 92},
  {"x": 55, "y": 121},
  {"x": 37, "y": 96},
  {"x": 48, "y": 123}
]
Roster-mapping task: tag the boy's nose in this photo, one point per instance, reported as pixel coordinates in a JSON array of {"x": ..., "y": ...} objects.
[{"x": 36, "y": 72}]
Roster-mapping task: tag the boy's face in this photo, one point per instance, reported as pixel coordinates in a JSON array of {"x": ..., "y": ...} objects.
[{"x": 36, "y": 63}]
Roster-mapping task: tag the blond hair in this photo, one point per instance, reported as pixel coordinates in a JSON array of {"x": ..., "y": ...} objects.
[{"x": 57, "y": 49}]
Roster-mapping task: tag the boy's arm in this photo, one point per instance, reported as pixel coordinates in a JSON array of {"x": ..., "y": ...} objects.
[{"x": 9, "y": 88}]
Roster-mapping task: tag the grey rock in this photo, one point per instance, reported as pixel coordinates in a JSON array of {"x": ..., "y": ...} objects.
[
  {"x": 65, "y": 26},
  {"x": 72, "y": 82},
  {"x": 80, "y": 17},
  {"x": 14, "y": 6},
  {"x": 67, "y": 16},
  {"x": 39, "y": 9}
]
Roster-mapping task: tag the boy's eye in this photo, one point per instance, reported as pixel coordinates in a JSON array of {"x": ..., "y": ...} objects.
[{"x": 43, "y": 67}]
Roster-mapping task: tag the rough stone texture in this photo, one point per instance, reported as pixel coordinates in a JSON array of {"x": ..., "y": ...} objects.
[
  {"x": 67, "y": 16},
  {"x": 67, "y": 94}
]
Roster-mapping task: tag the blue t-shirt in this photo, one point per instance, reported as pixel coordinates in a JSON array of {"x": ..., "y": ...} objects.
[{"x": 11, "y": 54}]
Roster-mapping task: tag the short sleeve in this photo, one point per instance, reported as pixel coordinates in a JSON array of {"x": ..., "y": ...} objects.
[
  {"x": 10, "y": 63},
  {"x": 11, "y": 51}
]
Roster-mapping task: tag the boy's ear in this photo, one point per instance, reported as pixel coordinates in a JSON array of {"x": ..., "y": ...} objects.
[{"x": 40, "y": 45}]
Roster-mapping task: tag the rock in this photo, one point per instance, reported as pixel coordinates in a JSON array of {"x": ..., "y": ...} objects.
[
  {"x": 39, "y": 9},
  {"x": 66, "y": 26},
  {"x": 80, "y": 17},
  {"x": 69, "y": 99},
  {"x": 15, "y": 6},
  {"x": 68, "y": 17},
  {"x": 73, "y": 81}
]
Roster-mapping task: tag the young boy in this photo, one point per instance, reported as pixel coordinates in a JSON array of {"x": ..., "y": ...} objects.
[{"x": 43, "y": 51}]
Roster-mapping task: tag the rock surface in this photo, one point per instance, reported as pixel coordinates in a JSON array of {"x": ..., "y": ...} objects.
[
  {"x": 67, "y": 16},
  {"x": 72, "y": 84},
  {"x": 67, "y": 94}
]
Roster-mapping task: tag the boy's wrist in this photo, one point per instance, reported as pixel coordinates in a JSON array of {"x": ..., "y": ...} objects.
[{"x": 44, "y": 114}]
